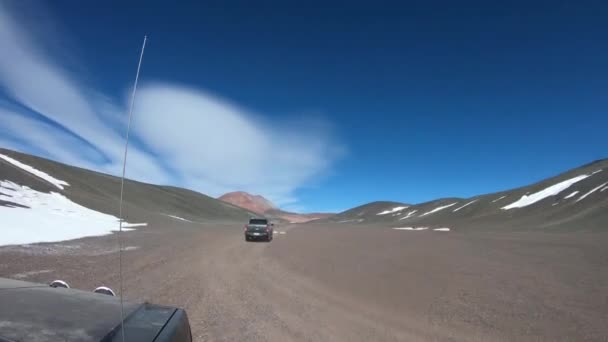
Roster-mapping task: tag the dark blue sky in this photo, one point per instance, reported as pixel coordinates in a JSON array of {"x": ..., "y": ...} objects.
[{"x": 430, "y": 98}]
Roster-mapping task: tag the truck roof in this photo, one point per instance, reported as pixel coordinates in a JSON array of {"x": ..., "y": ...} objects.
[{"x": 37, "y": 312}]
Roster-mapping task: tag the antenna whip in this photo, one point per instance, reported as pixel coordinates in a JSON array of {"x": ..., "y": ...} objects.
[{"x": 122, "y": 186}]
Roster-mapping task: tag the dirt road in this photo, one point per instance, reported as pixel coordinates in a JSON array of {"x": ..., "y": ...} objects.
[
  {"x": 238, "y": 291},
  {"x": 338, "y": 283}
]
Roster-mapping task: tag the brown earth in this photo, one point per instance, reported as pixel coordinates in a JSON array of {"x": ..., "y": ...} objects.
[
  {"x": 347, "y": 283},
  {"x": 255, "y": 203},
  {"x": 260, "y": 205}
]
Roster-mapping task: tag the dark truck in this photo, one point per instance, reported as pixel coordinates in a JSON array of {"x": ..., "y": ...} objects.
[
  {"x": 43, "y": 313},
  {"x": 259, "y": 229}
]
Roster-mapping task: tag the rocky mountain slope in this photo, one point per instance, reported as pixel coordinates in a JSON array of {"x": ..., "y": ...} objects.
[
  {"x": 576, "y": 200},
  {"x": 256, "y": 203},
  {"x": 263, "y": 207},
  {"x": 36, "y": 192}
]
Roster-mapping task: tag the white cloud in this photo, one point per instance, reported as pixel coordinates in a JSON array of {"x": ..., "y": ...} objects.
[
  {"x": 45, "y": 137},
  {"x": 37, "y": 83},
  {"x": 187, "y": 136},
  {"x": 213, "y": 140},
  {"x": 34, "y": 81}
]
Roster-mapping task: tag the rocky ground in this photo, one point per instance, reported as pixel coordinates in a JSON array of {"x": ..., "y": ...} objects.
[{"x": 345, "y": 282}]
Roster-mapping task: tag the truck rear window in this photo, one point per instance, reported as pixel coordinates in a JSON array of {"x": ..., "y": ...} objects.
[{"x": 258, "y": 221}]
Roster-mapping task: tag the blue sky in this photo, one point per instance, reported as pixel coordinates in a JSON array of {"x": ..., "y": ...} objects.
[{"x": 343, "y": 103}]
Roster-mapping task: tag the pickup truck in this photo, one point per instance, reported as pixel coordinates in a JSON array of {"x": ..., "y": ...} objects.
[
  {"x": 43, "y": 313},
  {"x": 259, "y": 229}
]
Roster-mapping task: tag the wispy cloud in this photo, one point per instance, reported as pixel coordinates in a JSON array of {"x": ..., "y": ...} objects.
[{"x": 184, "y": 136}]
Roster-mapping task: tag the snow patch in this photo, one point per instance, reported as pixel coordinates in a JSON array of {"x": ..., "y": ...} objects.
[
  {"x": 597, "y": 171},
  {"x": 56, "y": 182},
  {"x": 552, "y": 190},
  {"x": 499, "y": 198},
  {"x": 131, "y": 225},
  {"x": 438, "y": 208},
  {"x": 591, "y": 191},
  {"x": 442, "y": 229},
  {"x": 356, "y": 220},
  {"x": 391, "y": 210},
  {"x": 572, "y": 194},
  {"x": 473, "y": 201},
  {"x": 49, "y": 217},
  {"x": 409, "y": 214},
  {"x": 411, "y": 228},
  {"x": 605, "y": 188},
  {"x": 178, "y": 218}
]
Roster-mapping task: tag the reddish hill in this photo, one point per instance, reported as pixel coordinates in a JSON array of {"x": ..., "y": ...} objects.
[
  {"x": 255, "y": 203},
  {"x": 262, "y": 206}
]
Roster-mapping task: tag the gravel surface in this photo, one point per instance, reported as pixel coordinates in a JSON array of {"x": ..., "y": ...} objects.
[{"x": 336, "y": 282}]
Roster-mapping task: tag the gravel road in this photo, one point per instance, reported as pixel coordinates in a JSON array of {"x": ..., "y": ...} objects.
[{"x": 346, "y": 283}]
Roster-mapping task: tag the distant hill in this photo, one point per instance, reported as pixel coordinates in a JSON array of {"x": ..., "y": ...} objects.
[
  {"x": 574, "y": 200},
  {"x": 262, "y": 206},
  {"x": 100, "y": 192},
  {"x": 255, "y": 203},
  {"x": 368, "y": 211}
]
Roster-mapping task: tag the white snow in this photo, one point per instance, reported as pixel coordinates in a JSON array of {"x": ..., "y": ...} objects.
[
  {"x": 49, "y": 217},
  {"x": 437, "y": 209},
  {"x": 346, "y": 221},
  {"x": 473, "y": 201},
  {"x": 391, "y": 210},
  {"x": 179, "y": 218},
  {"x": 605, "y": 188},
  {"x": 56, "y": 182},
  {"x": 411, "y": 228},
  {"x": 554, "y": 204},
  {"x": 594, "y": 172},
  {"x": 499, "y": 198},
  {"x": 553, "y": 190},
  {"x": 422, "y": 228},
  {"x": 572, "y": 194},
  {"x": 591, "y": 191},
  {"x": 409, "y": 214},
  {"x": 130, "y": 225}
]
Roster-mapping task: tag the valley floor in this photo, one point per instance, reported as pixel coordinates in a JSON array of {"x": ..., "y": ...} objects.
[{"x": 347, "y": 283}]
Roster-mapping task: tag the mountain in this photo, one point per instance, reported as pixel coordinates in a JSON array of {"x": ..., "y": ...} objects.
[
  {"x": 297, "y": 217},
  {"x": 46, "y": 197},
  {"x": 366, "y": 212},
  {"x": 40, "y": 195},
  {"x": 255, "y": 203},
  {"x": 262, "y": 206},
  {"x": 574, "y": 200}
]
